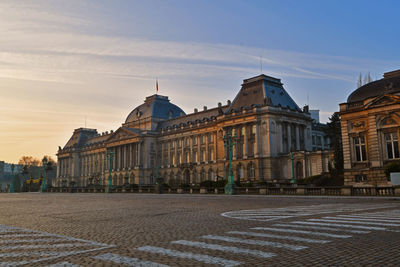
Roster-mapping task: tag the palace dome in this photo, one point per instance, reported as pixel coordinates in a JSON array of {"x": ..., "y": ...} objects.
[
  {"x": 155, "y": 106},
  {"x": 389, "y": 84}
]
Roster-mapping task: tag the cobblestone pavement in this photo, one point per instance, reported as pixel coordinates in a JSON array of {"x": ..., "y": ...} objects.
[{"x": 197, "y": 230}]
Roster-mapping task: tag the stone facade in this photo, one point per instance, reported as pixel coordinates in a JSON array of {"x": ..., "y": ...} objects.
[
  {"x": 370, "y": 122},
  {"x": 158, "y": 140}
]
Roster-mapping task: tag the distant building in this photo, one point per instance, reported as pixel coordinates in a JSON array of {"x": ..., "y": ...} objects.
[
  {"x": 158, "y": 139},
  {"x": 319, "y": 139},
  {"x": 314, "y": 115},
  {"x": 370, "y": 121},
  {"x": 6, "y": 172}
]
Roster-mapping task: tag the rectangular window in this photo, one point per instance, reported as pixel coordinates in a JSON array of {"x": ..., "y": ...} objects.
[
  {"x": 211, "y": 154},
  {"x": 359, "y": 147},
  {"x": 392, "y": 145},
  {"x": 195, "y": 140},
  {"x": 361, "y": 178},
  {"x": 203, "y": 155},
  {"x": 194, "y": 157}
]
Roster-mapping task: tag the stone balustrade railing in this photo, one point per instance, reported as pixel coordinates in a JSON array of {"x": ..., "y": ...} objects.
[{"x": 283, "y": 190}]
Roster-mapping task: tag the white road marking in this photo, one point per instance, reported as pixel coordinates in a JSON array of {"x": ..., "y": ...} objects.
[
  {"x": 53, "y": 256},
  {"x": 188, "y": 255},
  {"x": 355, "y": 222},
  {"x": 236, "y": 250},
  {"x": 63, "y": 264},
  {"x": 297, "y": 211},
  {"x": 300, "y": 232},
  {"x": 24, "y": 235},
  {"x": 363, "y": 219},
  {"x": 322, "y": 228},
  {"x": 370, "y": 217},
  {"x": 45, "y": 246},
  {"x": 127, "y": 260},
  {"x": 294, "y": 238},
  {"x": 342, "y": 225},
  {"x": 253, "y": 242},
  {"x": 11, "y": 241}
]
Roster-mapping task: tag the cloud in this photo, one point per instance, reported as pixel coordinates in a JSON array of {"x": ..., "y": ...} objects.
[{"x": 57, "y": 67}]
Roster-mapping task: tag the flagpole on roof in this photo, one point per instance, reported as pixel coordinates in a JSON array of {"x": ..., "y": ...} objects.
[{"x": 157, "y": 85}]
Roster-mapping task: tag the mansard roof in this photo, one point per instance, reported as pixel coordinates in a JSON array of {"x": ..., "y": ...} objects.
[
  {"x": 155, "y": 106},
  {"x": 389, "y": 84},
  {"x": 261, "y": 90}
]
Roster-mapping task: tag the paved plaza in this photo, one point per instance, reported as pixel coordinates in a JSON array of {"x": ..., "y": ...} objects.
[{"x": 197, "y": 230}]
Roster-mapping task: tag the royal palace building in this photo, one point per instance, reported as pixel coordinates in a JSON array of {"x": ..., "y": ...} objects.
[
  {"x": 370, "y": 121},
  {"x": 158, "y": 140}
]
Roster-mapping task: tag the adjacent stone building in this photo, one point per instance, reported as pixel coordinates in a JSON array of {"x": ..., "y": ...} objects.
[
  {"x": 158, "y": 140},
  {"x": 370, "y": 121}
]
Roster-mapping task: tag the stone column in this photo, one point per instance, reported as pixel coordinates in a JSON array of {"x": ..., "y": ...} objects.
[
  {"x": 198, "y": 149},
  {"x": 289, "y": 135},
  {"x": 246, "y": 142},
  {"x": 183, "y": 150},
  {"x": 215, "y": 148},
  {"x": 297, "y": 137},
  {"x": 125, "y": 156},
  {"x": 139, "y": 155},
  {"x": 191, "y": 149},
  {"x": 162, "y": 154},
  {"x": 234, "y": 148},
  {"x": 176, "y": 152},
  {"x": 257, "y": 141},
  {"x": 279, "y": 136},
  {"x": 207, "y": 156}
]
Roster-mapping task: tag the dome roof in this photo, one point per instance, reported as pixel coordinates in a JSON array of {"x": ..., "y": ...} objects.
[
  {"x": 389, "y": 84},
  {"x": 155, "y": 106}
]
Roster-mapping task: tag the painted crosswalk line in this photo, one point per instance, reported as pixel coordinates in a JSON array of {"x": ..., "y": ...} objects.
[
  {"x": 118, "y": 259},
  {"x": 300, "y": 232},
  {"x": 18, "y": 242},
  {"x": 355, "y": 222},
  {"x": 271, "y": 214},
  {"x": 191, "y": 256},
  {"x": 322, "y": 228},
  {"x": 63, "y": 264},
  {"x": 363, "y": 219},
  {"x": 294, "y": 238},
  {"x": 379, "y": 218},
  {"x": 254, "y": 242},
  {"x": 342, "y": 225},
  {"x": 235, "y": 250}
]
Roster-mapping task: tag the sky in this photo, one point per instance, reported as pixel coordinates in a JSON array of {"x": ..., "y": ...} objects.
[{"x": 77, "y": 63}]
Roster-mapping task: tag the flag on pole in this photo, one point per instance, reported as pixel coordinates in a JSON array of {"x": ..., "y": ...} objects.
[{"x": 157, "y": 85}]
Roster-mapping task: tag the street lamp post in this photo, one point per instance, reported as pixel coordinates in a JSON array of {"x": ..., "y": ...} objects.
[
  {"x": 229, "y": 142},
  {"x": 43, "y": 188},
  {"x": 110, "y": 156}
]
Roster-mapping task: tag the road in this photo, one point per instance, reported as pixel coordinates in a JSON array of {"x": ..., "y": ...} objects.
[{"x": 197, "y": 230}]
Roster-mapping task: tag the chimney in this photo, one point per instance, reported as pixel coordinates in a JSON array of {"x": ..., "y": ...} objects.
[
  {"x": 205, "y": 108},
  {"x": 228, "y": 102},
  {"x": 196, "y": 110}
]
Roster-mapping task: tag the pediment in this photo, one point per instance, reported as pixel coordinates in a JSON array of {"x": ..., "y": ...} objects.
[
  {"x": 388, "y": 120},
  {"x": 383, "y": 100},
  {"x": 123, "y": 134}
]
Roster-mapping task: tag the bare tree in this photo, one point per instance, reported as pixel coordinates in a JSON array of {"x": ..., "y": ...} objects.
[
  {"x": 359, "y": 82},
  {"x": 29, "y": 161}
]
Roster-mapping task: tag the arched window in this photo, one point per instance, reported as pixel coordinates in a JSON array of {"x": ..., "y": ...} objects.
[
  {"x": 203, "y": 175},
  {"x": 251, "y": 171},
  {"x": 211, "y": 175},
  {"x": 194, "y": 177}
]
